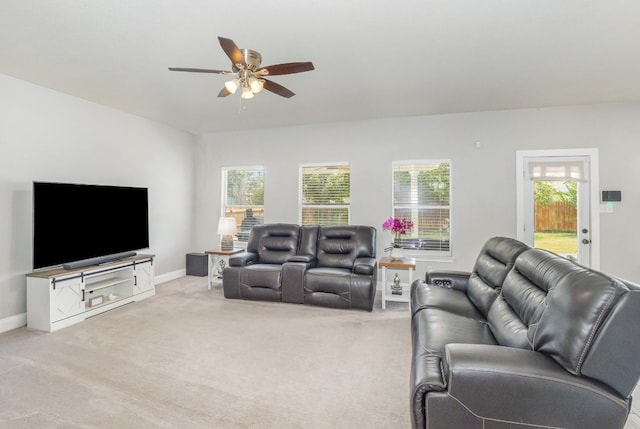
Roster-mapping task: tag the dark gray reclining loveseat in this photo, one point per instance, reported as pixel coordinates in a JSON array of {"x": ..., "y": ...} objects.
[
  {"x": 333, "y": 266},
  {"x": 529, "y": 339}
]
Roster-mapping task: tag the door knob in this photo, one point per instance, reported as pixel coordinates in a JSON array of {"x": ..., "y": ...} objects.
[
  {"x": 585, "y": 230},
  {"x": 586, "y": 241}
]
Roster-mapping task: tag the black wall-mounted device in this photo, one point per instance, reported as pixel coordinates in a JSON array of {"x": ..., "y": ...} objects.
[{"x": 611, "y": 196}]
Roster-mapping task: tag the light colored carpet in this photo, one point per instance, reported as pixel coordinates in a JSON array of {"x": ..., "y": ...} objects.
[{"x": 188, "y": 358}]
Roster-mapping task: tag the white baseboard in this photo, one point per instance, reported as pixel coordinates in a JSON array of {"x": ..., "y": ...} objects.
[
  {"x": 13, "y": 322},
  {"x": 170, "y": 276}
]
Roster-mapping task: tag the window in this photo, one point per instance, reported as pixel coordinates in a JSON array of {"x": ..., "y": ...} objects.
[
  {"x": 422, "y": 193},
  {"x": 325, "y": 192},
  {"x": 243, "y": 197}
]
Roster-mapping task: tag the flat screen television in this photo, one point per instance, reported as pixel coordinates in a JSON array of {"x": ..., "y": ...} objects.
[{"x": 75, "y": 225}]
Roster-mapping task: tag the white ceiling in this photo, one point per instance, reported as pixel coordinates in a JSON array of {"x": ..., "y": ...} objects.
[{"x": 373, "y": 58}]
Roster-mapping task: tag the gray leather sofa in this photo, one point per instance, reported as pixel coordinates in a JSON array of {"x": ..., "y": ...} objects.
[
  {"x": 529, "y": 339},
  {"x": 332, "y": 266}
]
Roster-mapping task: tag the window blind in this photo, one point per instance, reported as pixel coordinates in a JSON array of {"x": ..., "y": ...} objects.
[
  {"x": 557, "y": 171},
  {"x": 243, "y": 193},
  {"x": 422, "y": 193},
  {"x": 325, "y": 196}
]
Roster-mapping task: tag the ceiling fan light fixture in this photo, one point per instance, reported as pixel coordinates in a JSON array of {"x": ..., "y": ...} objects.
[
  {"x": 246, "y": 92},
  {"x": 256, "y": 85},
  {"x": 232, "y": 85}
]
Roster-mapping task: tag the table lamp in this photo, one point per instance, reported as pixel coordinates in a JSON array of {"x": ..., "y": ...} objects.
[{"x": 227, "y": 228}]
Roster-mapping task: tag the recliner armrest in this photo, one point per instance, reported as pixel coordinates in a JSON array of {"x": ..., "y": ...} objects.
[
  {"x": 293, "y": 280},
  {"x": 366, "y": 266},
  {"x": 303, "y": 258},
  {"x": 242, "y": 259},
  {"x": 448, "y": 279},
  {"x": 516, "y": 385}
]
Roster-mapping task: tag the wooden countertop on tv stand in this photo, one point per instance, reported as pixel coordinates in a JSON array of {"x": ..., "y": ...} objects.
[{"x": 59, "y": 271}]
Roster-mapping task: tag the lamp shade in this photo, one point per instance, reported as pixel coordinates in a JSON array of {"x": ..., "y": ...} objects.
[{"x": 227, "y": 226}]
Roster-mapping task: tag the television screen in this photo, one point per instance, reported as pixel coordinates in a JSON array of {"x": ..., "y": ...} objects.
[{"x": 74, "y": 222}]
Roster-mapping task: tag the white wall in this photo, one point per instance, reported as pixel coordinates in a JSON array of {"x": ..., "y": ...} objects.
[
  {"x": 49, "y": 136},
  {"x": 484, "y": 190}
]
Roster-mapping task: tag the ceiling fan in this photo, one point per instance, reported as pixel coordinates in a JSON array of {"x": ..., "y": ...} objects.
[{"x": 247, "y": 73}]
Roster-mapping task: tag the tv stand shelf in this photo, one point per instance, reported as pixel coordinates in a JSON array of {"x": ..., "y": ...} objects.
[
  {"x": 102, "y": 284},
  {"x": 57, "y": 298}
]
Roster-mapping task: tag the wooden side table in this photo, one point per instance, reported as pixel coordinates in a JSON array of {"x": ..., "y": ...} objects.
[
  {"x": 218, "y": 259},
  {"x": 408, "y": 264}
]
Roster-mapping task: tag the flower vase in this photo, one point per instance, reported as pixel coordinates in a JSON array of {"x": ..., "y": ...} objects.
[{"x": 397, "y": 253}]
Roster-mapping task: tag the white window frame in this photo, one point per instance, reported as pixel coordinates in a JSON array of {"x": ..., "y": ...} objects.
[
  {"x": 419, "y": 253},
  {"x": 223, "y": 196},
  {"x": 301, "y": 168}
]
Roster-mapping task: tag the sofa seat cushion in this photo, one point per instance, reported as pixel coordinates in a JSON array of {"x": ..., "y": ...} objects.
[
  {"x": 434, "y": 328},
  {"x": 329, "y": 280},
  {"x": 431, "y": 330},
  {"x": 262, "y": 275},
  {"x": 424, "y": 295},
  {"x": 338, "y": 288}
]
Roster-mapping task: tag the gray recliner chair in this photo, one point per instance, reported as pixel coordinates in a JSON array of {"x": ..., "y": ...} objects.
[
  {"x": 345, "y": 274},
  {"x": 257, "y": 273}
]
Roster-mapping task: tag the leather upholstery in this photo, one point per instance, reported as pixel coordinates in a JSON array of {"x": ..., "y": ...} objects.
[
  {"x": 308, "y": 240},
  {"x": 256, "y": 273},
  {"x": 492, "y": 266},
  {"x": 453, "y": 300},
  {"x": 575, "y": 310},
  {"x": 339, "y": 246},
  {"x": 514, "y": 387},
  {"x": 555, "y": 348},
  {"x": 332, "y": 266},
  {"x": 613, "y": 356},
  {"x": 483, "y": 284},
  {"x": 346, "y": 273},
  {"x": 274, "y": 243}
]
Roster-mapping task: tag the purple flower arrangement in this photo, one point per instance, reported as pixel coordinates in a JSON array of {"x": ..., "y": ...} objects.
[{"x": 398, "y": 227}]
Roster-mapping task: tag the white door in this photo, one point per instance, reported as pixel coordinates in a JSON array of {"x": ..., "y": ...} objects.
[{"x": 555, "y": 200}]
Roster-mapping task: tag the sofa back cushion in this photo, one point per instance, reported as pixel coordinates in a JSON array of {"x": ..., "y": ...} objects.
[
  {"x": 308, "y": 242},
  {"x": 494, "y": 262},
  {"x": 339, "y": 246},
  {"x": 587, "y": 321},
  {"x": 613, "y": 356},
  {"x": 576, "y": 308},
  {"x": 274, "y": 243},
  {"x": 522, "y": 298}
]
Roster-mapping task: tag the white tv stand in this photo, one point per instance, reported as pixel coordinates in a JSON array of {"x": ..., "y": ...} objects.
[{"x": 58, "y": 298}]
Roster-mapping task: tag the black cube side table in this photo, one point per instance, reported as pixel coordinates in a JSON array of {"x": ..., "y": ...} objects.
[{"x": 197, "y": 264}]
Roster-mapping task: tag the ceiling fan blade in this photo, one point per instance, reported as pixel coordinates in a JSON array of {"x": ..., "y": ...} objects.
[
  {"x": 287, "y": 68},
  {"x": 277, "y": 89},
  {"x": 182, "y": 69},
  {"x": 224, "y": 92},
  {"x": 231, "y": 49}
]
